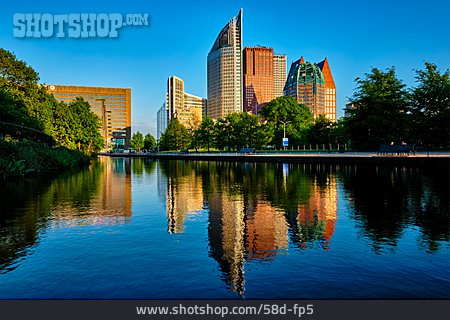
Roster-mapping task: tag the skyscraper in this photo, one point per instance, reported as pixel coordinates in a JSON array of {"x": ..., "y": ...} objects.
[
  {"x": 185, "y": 107},
  {"x": 279, "y": 74},
  {"x": 307, "y": 84},
  {"x": 161, "y": 120},
  {"x": 225, "y": 70},
  {"x": 258, "y": 78},
  {"x": 330, "y": 90}
]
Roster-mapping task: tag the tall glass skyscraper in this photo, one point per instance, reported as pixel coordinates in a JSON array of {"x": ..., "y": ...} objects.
[{"x": 225, "y": 70}]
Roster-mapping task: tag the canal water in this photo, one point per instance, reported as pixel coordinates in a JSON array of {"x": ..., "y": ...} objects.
[{"x": 147, "y": 229}]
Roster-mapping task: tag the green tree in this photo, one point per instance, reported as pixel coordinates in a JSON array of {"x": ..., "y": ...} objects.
[
  {"x": 205, "y": 133},
  {"x": 288, "y": 116},
  {"x": 249, "y": 131},
  {"x": 86, "y": 125},
  {"x": 379, "y": 113},
  {"x": 431, "y": 107},
  {"x": 24, "y": 102},
  {"x": 320, "y": 132},
  {"x": 149, "y": 142},
  {"x": 76, "y": 127},
  {"x": 175, "y": 137},
  {"x": 224, "y": 139},
  {"x": 15, "y": 73},
  {"x": 137, "y": 141}
]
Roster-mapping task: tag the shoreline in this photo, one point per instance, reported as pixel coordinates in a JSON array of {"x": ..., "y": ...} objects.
[{"x": 438, "y": 159}]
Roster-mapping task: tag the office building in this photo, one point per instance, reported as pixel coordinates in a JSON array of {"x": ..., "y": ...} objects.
[
  {"x": 309, "y": 85},
  {"x": 258, "y": 77},
  {"x": 161, "y": 120},
  {"x": 330, "y": 90},
  {"x": 112, "y": 105},
  {"x": 185, "y": 107},
  {"x": 224, "y": 72},
  {"x": 279, "y": 74}
]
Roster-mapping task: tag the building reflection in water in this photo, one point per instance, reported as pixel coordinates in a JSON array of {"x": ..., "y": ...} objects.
[
  {"x": 244, "y": 220},
  {"x": 182, "y": 193},
  {"x": 111, "y": 204},
  {"x": 100, "y": 194},
  {"x": 317, "y": 217}
]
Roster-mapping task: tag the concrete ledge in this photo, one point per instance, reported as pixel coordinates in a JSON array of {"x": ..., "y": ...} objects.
[{"x": 325, "y": 158}]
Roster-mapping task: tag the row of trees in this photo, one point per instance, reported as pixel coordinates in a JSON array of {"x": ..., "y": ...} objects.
[
  {"x": 282, "y": 117},
  {"x": 26, "y": 106},
  {"x": 383, "y": 110}
]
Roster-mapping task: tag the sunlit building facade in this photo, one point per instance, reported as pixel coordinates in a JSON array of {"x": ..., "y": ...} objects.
[
  {"x": 224, "y": 72},
  {"x": 185, "y": 107},
  {"x": 330, "y": 90},
  {"x": 112, "y": 105},
  {"x": 175, "y": 96},
  {"x": 258, "y": 77},
  {"x": 312, "y": 84},
  {"x": 279, "y": 74}
]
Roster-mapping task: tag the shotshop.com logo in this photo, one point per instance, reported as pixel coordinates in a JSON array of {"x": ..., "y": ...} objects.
[{"x": 74, "y": 25}]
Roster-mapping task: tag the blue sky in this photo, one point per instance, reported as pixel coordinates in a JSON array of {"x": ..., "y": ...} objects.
[{"x": 354, "y": 35}]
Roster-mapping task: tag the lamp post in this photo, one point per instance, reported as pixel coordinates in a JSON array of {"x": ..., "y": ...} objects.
[{"x": 284, "y": 131}]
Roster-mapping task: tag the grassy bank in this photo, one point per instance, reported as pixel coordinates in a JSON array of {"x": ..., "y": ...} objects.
[{"x": 18, "y": 158}]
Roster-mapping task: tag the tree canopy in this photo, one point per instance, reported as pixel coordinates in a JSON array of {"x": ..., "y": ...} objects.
[
  {"x": 24, "y": 102},
  {"x": 137, "y": 141},
  {"x": 379, "y": 113},
  {"x": 176, "y": 136},
  {"x": 287, "y": 116},
  {"x": 149, "y": 142},
  {"x": 430, "y": 107}
]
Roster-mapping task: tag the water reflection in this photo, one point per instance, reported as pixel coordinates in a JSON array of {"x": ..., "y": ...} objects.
[
  {"x": 98, "y": 195},
  {"x": 326, "y": 228},
  {"x": 386, "y": 200},
  {"x": 252, "y": 209}
]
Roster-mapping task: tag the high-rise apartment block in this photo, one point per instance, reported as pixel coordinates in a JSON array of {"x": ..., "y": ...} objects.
[
  {"x": 185, "y": 107},
  {"x": 225, "y": 70},
  {"x": 312, "y": 84},
  {"x": 112, "y": 105}
]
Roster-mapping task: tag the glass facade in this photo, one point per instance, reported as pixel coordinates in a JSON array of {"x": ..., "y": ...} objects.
[{"x": 162, "y": 117}]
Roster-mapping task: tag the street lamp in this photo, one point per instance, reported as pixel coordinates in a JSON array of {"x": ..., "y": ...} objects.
[{"x": 284, "y": 131}]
